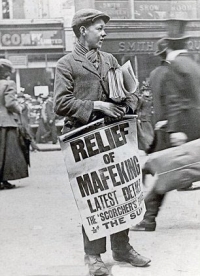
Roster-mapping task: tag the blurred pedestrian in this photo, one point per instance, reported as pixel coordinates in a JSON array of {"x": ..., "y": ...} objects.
[
  {"x": 23, "y": 121},
  {"x": 161, "y": 136},
  {"x": 181, "y": 87},
  {"x": 42, "y": 131},
  {"x": 81, "y": 95},
  {"x": 144, "y": 112},
  {"x": 50, "y": 119},
  {"x": 13, "y": 163}
]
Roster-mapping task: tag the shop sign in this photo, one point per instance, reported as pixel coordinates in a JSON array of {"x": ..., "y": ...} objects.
[
  {"x": 136, "y": 46},
  {"x": 193, "y": 44},
  {"x": 127, "y": 46},
  {"x": 115, "y": 9},
  {"x": 18, "y": 60},
  {"x": 140, "y": 46},
  {"x": 165, "y": 9},
  {"x": 36, "y": 38}
]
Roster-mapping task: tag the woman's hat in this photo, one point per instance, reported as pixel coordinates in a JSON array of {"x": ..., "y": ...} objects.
[
  {"x": 162, "y": 46},
  {"x": 7, "y": 63},
  {"x": 88, "y": 15},
  {"x": 176, "y": 29},
  {"x": 20, "y": 95}
]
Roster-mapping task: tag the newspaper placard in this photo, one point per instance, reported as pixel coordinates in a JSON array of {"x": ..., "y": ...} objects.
[{"x": 105, "y": 176}]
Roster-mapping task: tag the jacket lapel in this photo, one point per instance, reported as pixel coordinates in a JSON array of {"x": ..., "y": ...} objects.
[
  {"x": 86, "y": 64},
  {"x": 105, "y": 66}
]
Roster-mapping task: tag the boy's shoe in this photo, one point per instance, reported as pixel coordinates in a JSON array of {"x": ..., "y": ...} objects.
[
  {"x": 96, "y": 265},
  {"x": 131, "y": 257}
]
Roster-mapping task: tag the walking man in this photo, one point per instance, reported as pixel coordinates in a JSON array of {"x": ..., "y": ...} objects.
[{"x": 181, "y": 87}]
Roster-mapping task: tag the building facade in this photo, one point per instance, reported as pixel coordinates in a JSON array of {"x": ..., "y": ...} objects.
[
  {"x": 32, "y": 36},
  {"x": 33, "y": 48},
  {"x": 139, "y": 9},
  {"x": 35, "y": 34},
  {"x": 188, "y": 9}
]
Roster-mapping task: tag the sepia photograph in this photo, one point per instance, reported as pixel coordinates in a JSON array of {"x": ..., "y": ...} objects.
[{"x": 99, "y": 138}]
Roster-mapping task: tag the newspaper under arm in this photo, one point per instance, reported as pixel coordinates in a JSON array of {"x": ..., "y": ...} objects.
[{"x": 122, "y": 82}]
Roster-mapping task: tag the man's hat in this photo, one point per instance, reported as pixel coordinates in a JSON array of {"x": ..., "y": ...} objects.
[
  {"x": 88, "y": 15},
  {"x": 162, "y": 46},
  {"x": 176, "y": 29},
  {"x": 7, "y": 63},
  {"x": 43, "y": 96}
]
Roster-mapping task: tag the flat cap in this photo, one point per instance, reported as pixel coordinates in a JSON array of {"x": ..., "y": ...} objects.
[
  {"x": 7, "y": 63},
  {"x": 88, "y": 15}
]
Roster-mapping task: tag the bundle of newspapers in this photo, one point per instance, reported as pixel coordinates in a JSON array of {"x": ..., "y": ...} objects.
[{"x": 122, "y": 81}]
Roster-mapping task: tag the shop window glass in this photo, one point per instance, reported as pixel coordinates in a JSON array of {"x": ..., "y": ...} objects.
[
  {"x": 146, "y": 63},
  {"x": 118, "y": 9},
  {"x": 54, "y": 57},
  {"x": 36, "y": 57}
]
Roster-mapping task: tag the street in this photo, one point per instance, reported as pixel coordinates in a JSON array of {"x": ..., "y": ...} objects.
[{"x": 41, "y": 230}]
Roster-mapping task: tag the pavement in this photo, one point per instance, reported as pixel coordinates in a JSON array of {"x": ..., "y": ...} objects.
[{"x": 41, "y": 229}]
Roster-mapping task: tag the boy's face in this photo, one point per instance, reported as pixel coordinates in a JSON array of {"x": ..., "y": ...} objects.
[{"x": 94, "y": 34}]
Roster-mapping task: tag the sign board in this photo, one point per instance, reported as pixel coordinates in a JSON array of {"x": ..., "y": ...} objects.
[
  {"x": 116, "y": 9},
  {"x": 139, "y": 45},
  {"x": 165, "y": 9},
  {"x": 142, "y": 46},
  {"x": 105, "y": 176},
  {"x": 31, "y": 38},
  {"x": 18, "y": 60},
  {"x": 41, "y": 90}
]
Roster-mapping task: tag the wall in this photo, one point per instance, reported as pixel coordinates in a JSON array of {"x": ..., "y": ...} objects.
[
  {"x": 80, "y": 4},
  {"x": 41, "y": 9}
]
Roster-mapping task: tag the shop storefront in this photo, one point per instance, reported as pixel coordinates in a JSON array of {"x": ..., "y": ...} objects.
[
  {"x": 135, "y": 40},
  {"x": 34, "y": 48}
]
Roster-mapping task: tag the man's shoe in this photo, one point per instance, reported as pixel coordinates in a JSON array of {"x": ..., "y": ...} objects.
[
  {"x": 144, "y": 225},
  {"x": 1, "y": 186},
  {"x": 96, "y": 265},
  {"x": 7, "y": 185},
  {"x": 131, "y": 257}
]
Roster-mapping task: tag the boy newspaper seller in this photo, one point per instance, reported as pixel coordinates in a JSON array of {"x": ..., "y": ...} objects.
[{"x": 93, "y": 158}]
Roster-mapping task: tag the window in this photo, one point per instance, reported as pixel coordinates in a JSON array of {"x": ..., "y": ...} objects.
[{"x": 5, "y": 9}]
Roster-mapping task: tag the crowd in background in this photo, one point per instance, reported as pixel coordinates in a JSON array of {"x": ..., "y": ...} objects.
[{"x": 39, "y": 116}]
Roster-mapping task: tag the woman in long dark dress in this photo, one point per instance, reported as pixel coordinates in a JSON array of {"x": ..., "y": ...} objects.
[{"x": 13, "y": 163}]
